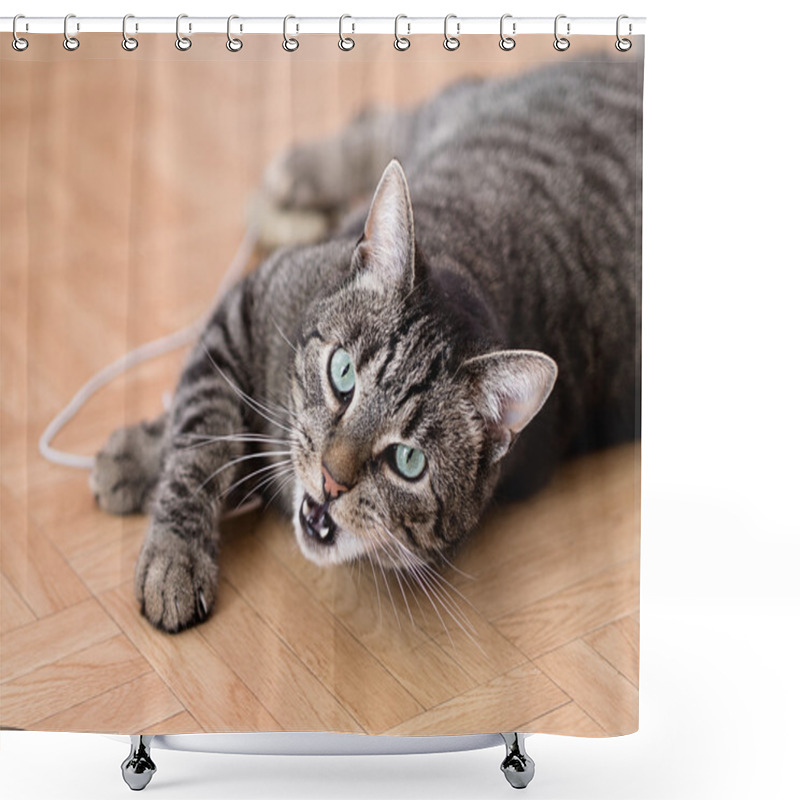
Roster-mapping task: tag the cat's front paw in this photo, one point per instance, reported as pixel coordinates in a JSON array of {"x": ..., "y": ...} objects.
[
  {"x": 277, "y": 226},
  {"x": 126, "y": 470},
  {"x": 176, "y": 581}
]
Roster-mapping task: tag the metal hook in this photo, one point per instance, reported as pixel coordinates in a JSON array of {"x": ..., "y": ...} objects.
[
  {"x": 451, "y": 42},
  {"x": 400, "y": 42},
  {"x": 182, "y": 42},
  {"x": 289, "y": 44},
  {"x": 18, "y": 43},
  {"x": 506, "y": 42},
  {"x": 345, "y": 42},
  {"x": 129, "y": 43},
  {"x": 623, "y": 45},
  {"x": 233, "y": 44},
  {"x": 561, "y": 43},
  {"x": 71, "y": 43}
]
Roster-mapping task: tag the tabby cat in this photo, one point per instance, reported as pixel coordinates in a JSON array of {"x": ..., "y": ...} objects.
[{"x": 391, "y": 377}]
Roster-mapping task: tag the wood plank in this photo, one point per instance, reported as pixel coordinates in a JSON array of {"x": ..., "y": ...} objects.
[
  {"x": 394, "y": 625},
  {"x": 267, "y": 666},
  {"x": 567, "y": 720},
  {"x": 69, "y": 682},
  {"x": 602, "y": 692},
  {"x": 557, "y": 538},
  {"x": 483, "y": 653},
  {"x": 36, "y": 570},
  {"x": 201, "y": 680},
  {"x": 618, "y": 643},
  {"x": 14, "y": 611},
  {"x": 557, "y": 619},
  {"x": 321, "y": 641},
  {"x": 180, "y": 723},
  {"x": 503, "y": 704},
  {"x": 54, "y": 638},
  {"x": 599, "y": 546},
  {"x": 131, "y": 708},
  {"x": 112, "y": 562}
]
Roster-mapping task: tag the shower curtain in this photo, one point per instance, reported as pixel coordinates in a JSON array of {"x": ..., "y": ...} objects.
[{"x": 130, "y": 181}]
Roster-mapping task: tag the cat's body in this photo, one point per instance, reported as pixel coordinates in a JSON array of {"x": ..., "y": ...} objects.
[{"x": 400, "y": 358}]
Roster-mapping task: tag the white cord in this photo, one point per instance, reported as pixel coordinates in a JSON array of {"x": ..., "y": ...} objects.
[{"x": 150, "y": 350}]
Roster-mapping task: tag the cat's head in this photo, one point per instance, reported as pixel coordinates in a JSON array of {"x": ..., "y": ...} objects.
[{"x": 402, "y": 420}]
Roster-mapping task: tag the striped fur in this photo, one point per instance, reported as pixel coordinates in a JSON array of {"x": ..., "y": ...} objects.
[{"x": 523, "y": 240}]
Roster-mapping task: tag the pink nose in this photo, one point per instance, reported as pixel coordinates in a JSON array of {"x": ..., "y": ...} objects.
[{"x": 330, "y": 485}]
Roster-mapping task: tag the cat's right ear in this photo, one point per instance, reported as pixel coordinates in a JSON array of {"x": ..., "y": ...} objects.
[
  {"x": 386, "y": 250},
  {"x": 509, "y": 389}
]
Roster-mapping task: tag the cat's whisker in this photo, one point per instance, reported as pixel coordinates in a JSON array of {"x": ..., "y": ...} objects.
[
  {"x": 446, "y": 586},
  {"x": 252, "y": 403},
  {"x": 432, "y": 601},
  {"x": 238, "y": 438},
  {"x": 233, "y": 462},
  {"x": 402, "y": 580},
  {"x": 279, "y": 488},
  {"x": 277, "y": 466},
  {"x": 455, "y": 568},
  {"x": 377, "y": 588},
  {"x": 283, "y": 335},
  {"x": 409, "y": 556},
  {"x": 386, "y": 582},
  {"x": 264, "y": 484},
  {"x": 448, "y": 608},
  {"x": 427, "y": 578},
  {"x": 410, "y": 562},
  {"x": 448, "y": 602}
]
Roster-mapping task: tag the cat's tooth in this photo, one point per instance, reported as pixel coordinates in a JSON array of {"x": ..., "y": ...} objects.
[
  {"x": 324, "y": 531},
  {"x": 306, "y": 507}
]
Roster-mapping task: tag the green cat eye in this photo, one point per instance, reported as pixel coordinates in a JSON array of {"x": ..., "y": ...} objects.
[
  {"x": 409, "y": 461},
  {"x": 342, "y": 372}
]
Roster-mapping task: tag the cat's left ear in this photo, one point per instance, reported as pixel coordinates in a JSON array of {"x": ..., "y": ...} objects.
[
  {"x": 386, "y": 250},
  {"x": 509, "y": 389}
]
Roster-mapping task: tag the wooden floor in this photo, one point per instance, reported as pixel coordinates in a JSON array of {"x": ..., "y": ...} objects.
[{"x": 124, "y": 180}]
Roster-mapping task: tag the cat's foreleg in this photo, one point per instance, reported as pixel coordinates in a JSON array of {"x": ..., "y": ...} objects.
[{"x": 176, "y": 574}]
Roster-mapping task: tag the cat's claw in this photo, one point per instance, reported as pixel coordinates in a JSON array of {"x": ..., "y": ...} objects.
[{"x": 175, "y": 582}]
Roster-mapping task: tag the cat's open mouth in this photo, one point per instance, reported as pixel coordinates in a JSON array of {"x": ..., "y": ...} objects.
[{"x": 317, "y": 522}]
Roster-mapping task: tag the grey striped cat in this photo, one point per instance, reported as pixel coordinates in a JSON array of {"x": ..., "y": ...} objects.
[{"x": 387, "y": 380}]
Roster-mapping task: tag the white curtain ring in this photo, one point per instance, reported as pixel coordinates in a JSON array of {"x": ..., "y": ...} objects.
[
  {"x": 289, "y": 44},
  {"x": 561, "y": 43},
  {"x": 71, "y": 43},
  {"x": 129, "y": 43},
  {"x": 507, "y": 42},
  {"x": 401, "y": 43},
  {"x": 346, "y": 43},
  {"x": 623, "y": 45},
  {"x": 233, "y": 44},
  {"x": 451, "y": 43},
  {"x": 183, "y": 43},
  {"x": 18, "y": 43}
]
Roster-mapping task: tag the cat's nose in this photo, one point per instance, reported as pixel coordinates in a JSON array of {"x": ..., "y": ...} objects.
[{"x": 330, "y": 486}]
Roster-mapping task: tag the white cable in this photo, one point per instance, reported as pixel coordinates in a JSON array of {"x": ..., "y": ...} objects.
[{"x": 150, "y": 350}]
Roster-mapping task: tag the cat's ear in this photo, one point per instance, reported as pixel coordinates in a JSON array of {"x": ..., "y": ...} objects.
[
  {"x": 386, "y": 250},
  {"x": 509, "y": 389}
]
